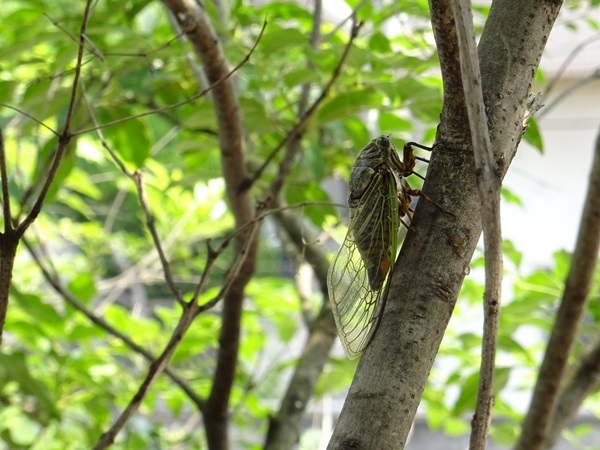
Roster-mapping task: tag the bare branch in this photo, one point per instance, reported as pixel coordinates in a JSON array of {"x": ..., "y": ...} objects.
[
  {"x": 194, "y": 21},
  {"x": 572, "y": 305},
  {"x": 65, "y": 136},
  {"x": 580, "y": 83},
  {"x": 138, "y": 179},
  {"x": 489, "y": 183},
  {"x": 29, "y": 116},
  {"x": 567, "y": 62},
  {"x": 118, "y": 161},
  {"x": 8, "y": 251},
  {"x": 154, "y": 371},
  {"x": 429, "y": 270},
  {"x": 284, "y": 428},
  {"x": 150, "y": 224},
  {"x": 5, "y": 194},
  {"x": 583, "y": 382}
]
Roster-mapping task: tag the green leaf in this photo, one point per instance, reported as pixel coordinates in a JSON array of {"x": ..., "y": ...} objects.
[
  {"x": 357, "y": 132},
  {"x": 45, "y": 315},
  {"x": 130, "y": 140},
  {"x": 14, "y": 367},
  {"x": 505, "y": 433},
  {"x": 7, "y": 91},
  {"x": 299, "y": 76},
  {"x": 22, "y": 430},
  {"x": 510, "y": 251},
  {"x": 533, "y": 136},
  {"x": 274, "y": 40},
  {"x": 83, "y": 286},
  {"x": 277, "y": 301},
  {"x": 511, "y": 197},
  {"x": 379, "y": 43},
  {"x": 390, "y": 122},
  {"x": 468, "y": 395},
  {"x": 336, "y": 376},
  {"x": 311, "y": 193},
  {"x": 348, "y": 104},
  {"x": 174, "y": 401}
]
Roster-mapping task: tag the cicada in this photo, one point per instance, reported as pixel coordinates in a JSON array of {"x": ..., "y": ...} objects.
[{"x": 378, "y": 198}]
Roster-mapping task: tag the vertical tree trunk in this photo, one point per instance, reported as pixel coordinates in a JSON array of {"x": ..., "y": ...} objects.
[{"x": 435, "y": 256}]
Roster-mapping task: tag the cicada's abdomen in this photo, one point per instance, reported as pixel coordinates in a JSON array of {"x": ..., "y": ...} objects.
[{"x": 374, "y": 235}]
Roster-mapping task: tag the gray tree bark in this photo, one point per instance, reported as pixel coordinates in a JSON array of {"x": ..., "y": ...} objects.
[{"x": 435, "y": 256}]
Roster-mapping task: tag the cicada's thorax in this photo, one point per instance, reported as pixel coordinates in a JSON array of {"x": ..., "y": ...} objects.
[{"x": 373, "y": 177}]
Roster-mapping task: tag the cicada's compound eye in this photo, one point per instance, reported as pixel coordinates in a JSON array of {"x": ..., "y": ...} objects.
[{"x": 383, "y": 141}]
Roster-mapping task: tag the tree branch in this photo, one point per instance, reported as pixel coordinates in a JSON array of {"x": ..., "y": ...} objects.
[
  {"x": 193, "y": 20},
  {"x": 65, "y": 136},
  {"x": 5, "y": 194},
  {"x": 430, "y": 269},
  {"x": 488, "y": 184},
  {"x": 284, "y": 428},
  {"x": 137, "y": 178},
  {"x": 200, "y": 33},
  {"x": 583, "y": 382},
  {"x": 9, "y": 241},
  {"x": 572, "y": 305}
]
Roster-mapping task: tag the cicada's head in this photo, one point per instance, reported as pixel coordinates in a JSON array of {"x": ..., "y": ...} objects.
[{"x": 383, "y": 141}]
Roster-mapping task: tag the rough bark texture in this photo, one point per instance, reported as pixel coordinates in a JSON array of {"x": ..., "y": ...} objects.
[
  {"x": 8, "y": 251},
  {"x": 433, "y": 262}
]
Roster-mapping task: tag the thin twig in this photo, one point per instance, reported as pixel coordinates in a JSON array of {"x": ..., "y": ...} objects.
[
  {"x": 29, "y": 116},
  {"x": 64, "y": 138},
  {"x": 150, "y": 224},
  {"x": 138, "y": 180},
  {"x": 582, "y": 382},
  {"x": 149, "y": 52},
  {"x": 118, "y": 161},
  {"x": 154, "y": 371},
  {"x": 489, "y": 185},
  {"x": 567, "y": 62},
  {"x": 183, "y": 102},
  {"x": 299, "y": 126},
  {"x": 352, "y": 15},
  {"x": 5, "y": 194},
  {"x": 246, "y": 251},
  {"x": 580, "y": 83}
]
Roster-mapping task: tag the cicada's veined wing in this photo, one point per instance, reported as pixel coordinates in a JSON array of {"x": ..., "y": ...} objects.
[{"x": 357, "y": 276}]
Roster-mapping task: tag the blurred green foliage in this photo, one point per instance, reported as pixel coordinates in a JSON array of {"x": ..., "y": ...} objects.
[{"x": 62, "y": 378}]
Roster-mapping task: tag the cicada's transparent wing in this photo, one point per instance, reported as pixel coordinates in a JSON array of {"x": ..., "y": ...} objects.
[{"x": 358, "y": 274}]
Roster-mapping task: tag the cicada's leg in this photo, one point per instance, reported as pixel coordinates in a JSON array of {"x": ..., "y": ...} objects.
[
  {"x": 404, "y": 208},
  {"x": 418, "y": 192}
]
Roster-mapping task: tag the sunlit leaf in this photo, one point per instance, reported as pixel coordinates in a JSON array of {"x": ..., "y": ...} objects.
[{"x": 533, "y": 136}]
